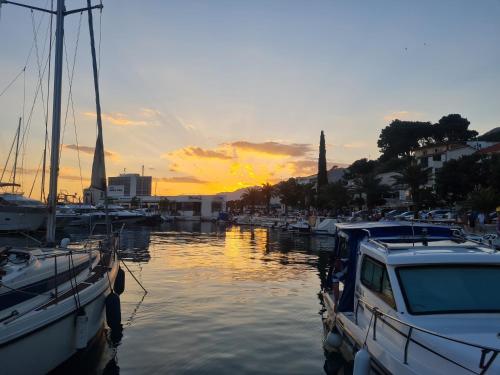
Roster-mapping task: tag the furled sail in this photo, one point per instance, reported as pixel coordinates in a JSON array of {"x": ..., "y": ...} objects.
[{"x": 98, "y": 180}]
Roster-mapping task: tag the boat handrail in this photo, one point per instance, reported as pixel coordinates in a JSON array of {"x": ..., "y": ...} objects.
[{"x": 484, "y": 364}]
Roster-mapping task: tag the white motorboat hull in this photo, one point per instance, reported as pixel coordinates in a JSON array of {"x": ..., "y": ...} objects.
[{"x": 21, "y": 219}]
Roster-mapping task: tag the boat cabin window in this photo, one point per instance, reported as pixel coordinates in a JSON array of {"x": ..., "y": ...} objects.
[
  {"x": 450, "y": 289},
  {"x": 374, "y": 276}
]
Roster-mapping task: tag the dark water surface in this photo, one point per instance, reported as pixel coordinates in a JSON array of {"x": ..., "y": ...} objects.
[{"x": 221, "y": 301}]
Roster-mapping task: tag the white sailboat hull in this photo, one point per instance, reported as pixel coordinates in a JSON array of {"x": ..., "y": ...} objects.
[
  {"x": 43, "y": 339},
  {"x": 44, "y": 350}
]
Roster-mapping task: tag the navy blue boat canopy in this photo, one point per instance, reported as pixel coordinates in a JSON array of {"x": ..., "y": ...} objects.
[{"x": 356, "y": 232}]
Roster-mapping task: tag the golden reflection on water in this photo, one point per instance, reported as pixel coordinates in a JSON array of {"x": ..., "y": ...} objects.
[{"x": 239, "y": 253}]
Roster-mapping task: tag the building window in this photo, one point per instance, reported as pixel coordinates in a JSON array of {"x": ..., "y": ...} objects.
[{"x": 437, "y": 157}]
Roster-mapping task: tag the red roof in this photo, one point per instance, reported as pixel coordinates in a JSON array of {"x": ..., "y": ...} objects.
[{"x": 495, "y": 149}]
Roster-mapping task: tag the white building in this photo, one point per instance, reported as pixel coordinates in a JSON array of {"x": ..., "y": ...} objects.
[
  {"x": 434, "y": 156},
  {"x": 129, "y": 185}
]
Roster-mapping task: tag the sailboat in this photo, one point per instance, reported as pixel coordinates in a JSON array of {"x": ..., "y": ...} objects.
[
  {"x": 17, "y": 212},
  {"x": 53, "y": 298}
]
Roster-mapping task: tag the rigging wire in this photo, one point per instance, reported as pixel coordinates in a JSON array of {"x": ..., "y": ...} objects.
[
  {"x": 36, "y": 176},
  {"x": 70, "y": 100},
  {"x": 13, "y": 81},
  {"x": 24, "y": 139},
  {"x": 8, "y": 158},
  {"x": 40, "y": 78},
  {"x": 46, "y": 140},
  {"x": 36, "y": 29}
]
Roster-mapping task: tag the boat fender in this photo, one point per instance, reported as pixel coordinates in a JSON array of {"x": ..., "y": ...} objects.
[
  {"x": 361, "y": 362},
  {"x": 332, "y": 342},
  {"x": 64, "y": 243},
  {"x": 81, "y": 329},
  {"x": 113, "y": 311},
  {"x": 119, "y": 285}
]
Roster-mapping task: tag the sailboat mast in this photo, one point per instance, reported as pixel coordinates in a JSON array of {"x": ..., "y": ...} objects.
[
  {"x": 17, "y": 153},
  {"x": 56, "y": 123}
]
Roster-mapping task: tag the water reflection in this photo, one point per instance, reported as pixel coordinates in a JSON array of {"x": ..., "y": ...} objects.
[{"x": 221, "y": 301}]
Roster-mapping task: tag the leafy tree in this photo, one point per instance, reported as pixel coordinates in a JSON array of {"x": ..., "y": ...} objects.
[
  {"x": 453, "y": 128},
  {"x": 373, "y": 191},
  {"x": 289, "y": 192},
  {"x": 322, "y": 173},
  {"x": 334, "y": 196},
  {"x": 267, "y": 191},
  {"x": 361, "y": 168},
  {"x": 415, "y": 177},
  {"x": 164, "y": 204},
  {"x": 399, "y": 138},
  {"x": 252, "y": 197},
  {"x": 307, "y": 193},
  {"x": 484, "y": 200},
  {"x": 458, "y": 177}
]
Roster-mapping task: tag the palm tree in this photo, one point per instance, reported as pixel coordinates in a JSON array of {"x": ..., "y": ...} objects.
[
  {"x": 289, "y": 193},
  {"x": 369, "y": 185},
  {"x": 251, "y": 197},
  {"x": 267, "y": 192},
  {"x": 415, "y": 177}
]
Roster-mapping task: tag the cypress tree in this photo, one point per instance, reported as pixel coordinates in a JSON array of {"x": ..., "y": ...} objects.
[{"x": 322, "y": 174}]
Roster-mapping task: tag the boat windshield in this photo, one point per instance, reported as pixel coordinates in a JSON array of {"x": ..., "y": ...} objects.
[{"x": 450, "y": 289}]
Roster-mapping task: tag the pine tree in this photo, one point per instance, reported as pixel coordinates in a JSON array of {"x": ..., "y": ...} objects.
[{"x": 322, "y": 174}]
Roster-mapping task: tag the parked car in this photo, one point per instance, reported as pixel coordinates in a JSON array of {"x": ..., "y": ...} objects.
[
  {"x": 439, "y": 214},
  {"x": 391, "y": 215},
  {"x": 407, "y": 215}
]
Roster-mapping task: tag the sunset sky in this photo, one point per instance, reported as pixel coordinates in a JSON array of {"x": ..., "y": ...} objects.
[{"x": 216, "y": 95}]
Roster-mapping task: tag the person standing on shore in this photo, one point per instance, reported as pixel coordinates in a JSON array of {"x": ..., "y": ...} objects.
[
  {"x": 472, "y": 221},
  {"x": 480, "y": 221},
  {"x": 498, "y": 221}
]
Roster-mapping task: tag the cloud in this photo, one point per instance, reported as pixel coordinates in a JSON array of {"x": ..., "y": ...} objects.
[
  {"x": 183, "y": 180},
  {"x": 204, "y": 153},
  {"x": 89, "y": 150},
  {"x": 72, "y": 174},
  {"x": 118, "y": 119},
  {"x": 274, "y": 148},
  {"x": 354, "y": 145},
  {"x": 402, "y": 115}
]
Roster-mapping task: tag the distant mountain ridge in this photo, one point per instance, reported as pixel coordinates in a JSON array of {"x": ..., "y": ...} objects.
[{"x": 492, "y": 135}]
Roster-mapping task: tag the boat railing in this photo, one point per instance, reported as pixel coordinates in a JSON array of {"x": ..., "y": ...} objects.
[{"x": 487, "y": 357}]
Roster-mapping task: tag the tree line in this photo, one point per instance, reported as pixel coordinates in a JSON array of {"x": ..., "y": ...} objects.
[{"x": 471, "y": 182}]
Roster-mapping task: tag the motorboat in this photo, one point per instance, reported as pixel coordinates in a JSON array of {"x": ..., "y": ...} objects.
[
  {"x": 325, "y": 226},
  {"x": 410, "y": 298},
  {"x": 20, "y": 214},
  {"x": 300, "y": 226},
  {"x": 244, "y": 220}
]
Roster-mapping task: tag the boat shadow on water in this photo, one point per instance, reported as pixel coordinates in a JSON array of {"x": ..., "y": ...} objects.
[{"x": 100, "y": 357}]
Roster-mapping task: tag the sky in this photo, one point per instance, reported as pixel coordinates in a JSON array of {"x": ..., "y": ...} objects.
[{"x": 214, "y": 95}]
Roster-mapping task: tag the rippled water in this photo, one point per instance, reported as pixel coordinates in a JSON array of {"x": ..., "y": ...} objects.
[{"x": 221, "y": 301}]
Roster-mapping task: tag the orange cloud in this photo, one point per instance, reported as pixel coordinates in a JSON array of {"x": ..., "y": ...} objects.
[
  {"x": 204, "y": 153},
  {"x": 118, "y": 119},
  {"x": 274, "y": 148},
  {"x": 89, "y": 150},
  {"x": 183, "y": 180}
]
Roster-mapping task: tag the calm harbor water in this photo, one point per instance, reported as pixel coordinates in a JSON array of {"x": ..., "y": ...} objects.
[{"x": 221, "y": 301}]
